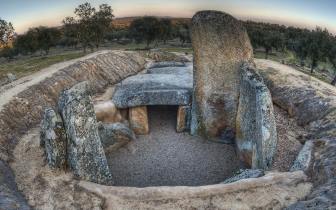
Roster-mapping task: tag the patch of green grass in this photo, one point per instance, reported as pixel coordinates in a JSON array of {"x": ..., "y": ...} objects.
[{"x": 25, "y": 66}]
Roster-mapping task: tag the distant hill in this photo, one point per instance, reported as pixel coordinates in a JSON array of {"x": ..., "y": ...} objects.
[{"x": 125, "y": 22}]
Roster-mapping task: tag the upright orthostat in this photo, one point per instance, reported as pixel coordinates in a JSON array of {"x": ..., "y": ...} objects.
[
  {"x": 221, "y": 45},
  {"x": 85, "y": 152}
]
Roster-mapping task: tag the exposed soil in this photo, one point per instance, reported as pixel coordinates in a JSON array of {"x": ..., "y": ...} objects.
[
  {"x": 167, "y": 158},
  {"x": 289, "y": 134}
]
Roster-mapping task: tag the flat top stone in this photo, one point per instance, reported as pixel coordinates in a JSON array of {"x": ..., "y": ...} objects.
[{"x": 160, "y": 86}]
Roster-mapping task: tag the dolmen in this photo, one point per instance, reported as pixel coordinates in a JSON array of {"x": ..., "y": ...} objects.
[{"x": 165, "y": 83}]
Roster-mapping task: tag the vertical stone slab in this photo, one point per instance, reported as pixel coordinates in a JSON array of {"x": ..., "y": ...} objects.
[
  {"x": 183, "y": 119},
  {"x": 221, "y": 45},
  {"x": 256, "y": 136},
  {"x": 85, "y": 152},
  {"x": 138, "y": 119},
  {"x": 53, "y": 139}
]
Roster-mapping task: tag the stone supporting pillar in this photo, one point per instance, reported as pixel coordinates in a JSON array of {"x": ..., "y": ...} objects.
[
  {"x": 138, "y": 119},
  {"x": 221, "y": 45},
  {"x": 183, "y": 119}
]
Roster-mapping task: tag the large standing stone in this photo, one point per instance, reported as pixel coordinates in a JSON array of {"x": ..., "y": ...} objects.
[
  {"x": 221, "y": 45},
  {"x": 86, "y": 155},
  {"x": 138, "y": 119},
  {"x": 114, "y": 135},
  {"x": 256, "y": 136},
  {"x": 53, "y": 139}
]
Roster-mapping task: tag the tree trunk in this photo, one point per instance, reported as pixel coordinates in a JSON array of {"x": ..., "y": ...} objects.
[{"x": 266, "y": 53}]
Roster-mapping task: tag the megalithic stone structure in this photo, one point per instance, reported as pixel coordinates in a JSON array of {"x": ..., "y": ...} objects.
[
  {"x": 85, "y": 152},
  {"x": 221, "y": 45}
]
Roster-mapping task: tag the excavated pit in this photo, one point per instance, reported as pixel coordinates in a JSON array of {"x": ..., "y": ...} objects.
[{"x": 167, "y": 158}]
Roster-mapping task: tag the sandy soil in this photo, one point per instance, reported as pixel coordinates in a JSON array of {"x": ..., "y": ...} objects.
[
  {"x": 7, "y": 92},
  {"x": 289, "y": 135},
  {"x": 167, "y": 158}
]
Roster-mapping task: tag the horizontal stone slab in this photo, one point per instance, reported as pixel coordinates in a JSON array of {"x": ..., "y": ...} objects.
[
  {"x": 167, "y": 64},
  {"x": 154, "y": 89},
  {"x": 171, "y": 70}
]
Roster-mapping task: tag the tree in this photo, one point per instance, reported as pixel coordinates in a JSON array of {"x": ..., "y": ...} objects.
[
  {"x": 27, "y": 43},
  {"x": 165, "y": 29},
  {"x": 70, "y": 30},
  {"x": 47, "y": 38},
  {"x": 101, "y": 23},
  {"x": 85, "y": 33},
  {"x": 271, "y": 40},
  {"x": 317, "y": 46},
  {"x": 332, "y": 58},
  {"x": 6, "y": 33},
  {"x": 183, "y": 33},
  {"x": 90, "y": 26},
  {"x": 145, "y": 29}
]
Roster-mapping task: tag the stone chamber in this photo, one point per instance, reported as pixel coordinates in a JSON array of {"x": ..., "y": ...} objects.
[{"x": 153, "y": 130}]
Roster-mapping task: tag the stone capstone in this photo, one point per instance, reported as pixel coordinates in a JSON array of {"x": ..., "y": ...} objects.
[
  {"x": 53, "y": 139},
  {"x": 221, "y": 45},
  {"x": 85, "y": 152},
  {"x": 167, "y": 64},
  {"x": 172, "y": 70},
  {"x": 256, "y": 135},
  {"x": 114, "y": 135},
  {"x": 154, "y": 89},
  {"x": 245, "y": 174},
  {"x": 138, "y": 119}
]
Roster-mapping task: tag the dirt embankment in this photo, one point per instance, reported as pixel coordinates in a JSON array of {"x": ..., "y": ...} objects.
[
  {"x": 312, "y": 103},
  {"x": 22, "y": 105}
]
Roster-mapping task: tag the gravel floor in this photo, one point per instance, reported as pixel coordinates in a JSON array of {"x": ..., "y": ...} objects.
[{"x": 167, "y": 158}]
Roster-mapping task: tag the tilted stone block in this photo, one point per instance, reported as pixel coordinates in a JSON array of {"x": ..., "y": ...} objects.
[
  {"x": 256, "y": 135},
  {"x": 86, "y": 156}
]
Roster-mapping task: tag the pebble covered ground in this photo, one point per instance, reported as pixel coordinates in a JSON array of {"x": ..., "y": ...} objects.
[{"x": 167, "y": 158}]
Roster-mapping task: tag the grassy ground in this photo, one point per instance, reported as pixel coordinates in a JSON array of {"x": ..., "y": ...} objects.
[
  {"x": 324, "y": 70},
  {"x": 27, "y": 65}
]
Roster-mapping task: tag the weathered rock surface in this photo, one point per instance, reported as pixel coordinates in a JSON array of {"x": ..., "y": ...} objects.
[
  {"x": 53, "y": 139},
  {"x": 167, "y": 64},
  {"x": 183, "y": 119},
  {"x": 245, "y": 174},
  {"x": 107, "y": 112},
  {"x": 154, "y": 89},
  {"x": 86, "y": 156},
  {"x": 11, "y": 77},
  {"x": 221, "y": 45},
  {"x": 273, "y": 191},
  {"x": 172, "y": 70},
  {"x": 114, "y": 135},
  {"x": 312, "y": 103},
  {"x": 138, "y": 119},
  {"x": 10, "y": 197},
  {"x": 303, "y": 160},
  {"x": 256, "y": 136}
]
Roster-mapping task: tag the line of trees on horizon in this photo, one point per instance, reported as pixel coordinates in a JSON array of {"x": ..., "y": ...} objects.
[{"x": 90, "y": 27}]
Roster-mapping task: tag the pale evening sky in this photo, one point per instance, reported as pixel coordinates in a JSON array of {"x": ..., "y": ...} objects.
[{"x": 304, "y": 13}]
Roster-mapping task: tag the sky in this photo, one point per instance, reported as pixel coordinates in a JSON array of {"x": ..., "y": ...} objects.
[{"x": 302, "y": 13}]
